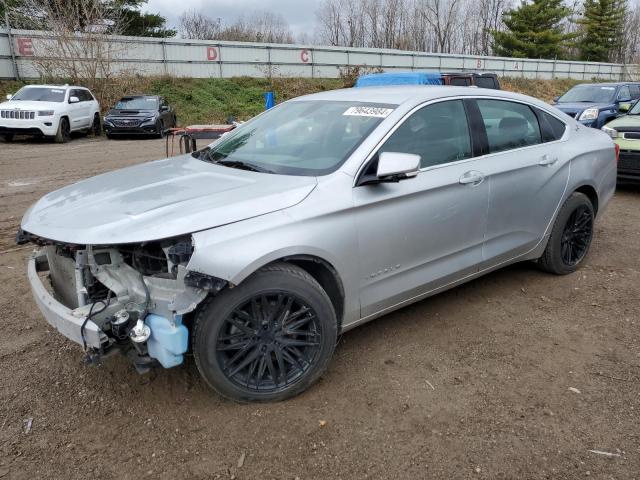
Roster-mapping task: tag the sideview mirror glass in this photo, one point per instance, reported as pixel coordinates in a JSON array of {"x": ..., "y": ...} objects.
[
  {"x": 394, "y": 166},
  {"x": 9, "y": 96},
  {"x": 624, "y": 107},
  {"x": 74, "y": 99}
]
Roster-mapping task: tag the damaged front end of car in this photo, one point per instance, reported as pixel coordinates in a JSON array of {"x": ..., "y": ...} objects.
[{"x": 130, "y": 298}]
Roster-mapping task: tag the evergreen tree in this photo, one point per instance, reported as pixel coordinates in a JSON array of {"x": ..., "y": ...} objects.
[
  {"x": 139, "y": 24},
  {"x": 534, "y": 30},
  {"x": 601, "y": 29}
]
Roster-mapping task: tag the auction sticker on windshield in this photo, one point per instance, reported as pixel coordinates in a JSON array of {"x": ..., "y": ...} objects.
[{"x": 363, "y": 111}]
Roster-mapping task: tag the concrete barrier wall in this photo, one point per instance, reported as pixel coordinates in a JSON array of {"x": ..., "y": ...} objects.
[{"x": 204, "y": 59}]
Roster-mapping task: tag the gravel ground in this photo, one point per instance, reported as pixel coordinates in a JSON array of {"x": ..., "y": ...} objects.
[{"x": 516, "y": 375}]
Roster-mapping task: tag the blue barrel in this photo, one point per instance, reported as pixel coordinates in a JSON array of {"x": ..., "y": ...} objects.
[{"x": 269, "y": 100}]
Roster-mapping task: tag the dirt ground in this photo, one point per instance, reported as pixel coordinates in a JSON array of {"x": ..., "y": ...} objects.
[{"x": 516, "y": 375}]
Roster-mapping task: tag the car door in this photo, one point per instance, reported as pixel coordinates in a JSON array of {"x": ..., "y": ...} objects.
[
  {"x": 527, "y": 170},
  {"x": 79, "y": 112},
  {"x": 424, "y": 232}
]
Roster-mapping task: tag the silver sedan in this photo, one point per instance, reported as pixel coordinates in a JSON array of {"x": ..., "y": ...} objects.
[{"x": 319, "y": 215}]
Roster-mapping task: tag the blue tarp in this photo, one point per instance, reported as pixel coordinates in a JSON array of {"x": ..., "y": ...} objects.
[{"x": 399, "y": 78}]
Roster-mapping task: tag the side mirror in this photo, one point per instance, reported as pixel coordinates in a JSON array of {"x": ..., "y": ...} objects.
[
  {"x": 555, "y": 99},
  {"x": 9, "y": 96},
  {"x": 164, "y": 108},
  {"x": 624, "y": 107},
  {"x": 395, "y": 166},
  {"x": 74, "y": 99}
]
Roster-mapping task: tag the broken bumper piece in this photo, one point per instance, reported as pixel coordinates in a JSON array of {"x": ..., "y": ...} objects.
[{"x": 59, "y": 316}]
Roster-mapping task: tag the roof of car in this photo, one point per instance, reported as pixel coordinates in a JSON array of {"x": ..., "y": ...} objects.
[
  {"x": 412, "y": 94},
  {"x": 56, "y": 86},
  {"x": 617, "y": 84}
]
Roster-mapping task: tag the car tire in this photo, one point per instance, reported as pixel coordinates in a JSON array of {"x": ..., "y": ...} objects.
[
  {"x": 160, "y": 129},
  {"x": 571, "y": 236},
  {"x": 96, "y": 126},
  {"x": 268, "y": 339},
  {"x": 63, "y": 134}
]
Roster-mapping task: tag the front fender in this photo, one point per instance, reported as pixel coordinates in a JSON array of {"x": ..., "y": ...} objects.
[{"x": 320, "y": 227}]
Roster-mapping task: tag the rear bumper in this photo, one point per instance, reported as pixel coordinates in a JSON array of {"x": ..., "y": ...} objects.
[{"x": 56, "y": 314}]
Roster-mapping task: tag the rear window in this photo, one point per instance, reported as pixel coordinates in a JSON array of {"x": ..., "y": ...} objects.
[
  {"x": 486, "y": 82},
  {"x": 460, "y": 81},
  {"x": 40, "y": 94}
]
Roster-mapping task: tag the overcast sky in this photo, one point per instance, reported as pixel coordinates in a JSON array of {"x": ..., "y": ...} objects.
[{"x": 299, "y": 13}]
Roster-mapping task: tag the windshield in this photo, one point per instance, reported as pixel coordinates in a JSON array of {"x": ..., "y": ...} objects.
[
  {"x": 40, "y": 94},
  {"x": 589, "y": 93},
  {"x": 137, "y": 103},
  {"x": 298, "y": 138}
]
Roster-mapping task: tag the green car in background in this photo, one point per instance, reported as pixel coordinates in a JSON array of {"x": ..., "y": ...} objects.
[{"x": 625, "y": 132}]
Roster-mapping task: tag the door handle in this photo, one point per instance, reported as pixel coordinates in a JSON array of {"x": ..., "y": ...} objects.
[
  {"x": 471, "y": 177},
  {"x": 547, "y": 160}
]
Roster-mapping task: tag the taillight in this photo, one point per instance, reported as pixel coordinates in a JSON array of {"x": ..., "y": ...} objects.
[{"x": 617, "y": 147}]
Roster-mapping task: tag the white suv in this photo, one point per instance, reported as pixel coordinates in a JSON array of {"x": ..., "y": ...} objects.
[{"x": 50, "y": 111}]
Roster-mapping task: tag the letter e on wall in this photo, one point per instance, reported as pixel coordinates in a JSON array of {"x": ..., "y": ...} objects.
[{"x": 25, "y": 47}]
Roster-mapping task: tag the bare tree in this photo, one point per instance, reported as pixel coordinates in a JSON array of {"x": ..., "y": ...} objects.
[
  {"x": 447, "y": 26},
  {"x": 259, "y": 26},
  {"x": 77, "y": 47},
  {"x": 196, "y": 25}
]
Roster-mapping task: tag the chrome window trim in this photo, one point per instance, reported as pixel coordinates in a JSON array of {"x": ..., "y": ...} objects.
[{"x": 375, "y": 149}]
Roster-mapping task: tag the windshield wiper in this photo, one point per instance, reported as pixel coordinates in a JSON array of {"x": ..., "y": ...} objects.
[{"x": 243, "y": 166}]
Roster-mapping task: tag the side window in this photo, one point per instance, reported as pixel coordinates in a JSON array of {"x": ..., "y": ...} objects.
[
  {"x": 624, "y": 93},
  {"x": 550, "y": 127},
  {"x": 509, "y": 125},
  {"x": 87, "y": 96},
  {"x": 635, "y": 91},
  {"x": 439, "y": 133},
  {"x": 75, "y": 93}
]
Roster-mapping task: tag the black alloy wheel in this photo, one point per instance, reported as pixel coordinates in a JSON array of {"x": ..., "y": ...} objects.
[
  {"x": 267, "y": 339},
  {"x": 570, "y": 237},
  {"x": 269, "y": 342},
  {"x": 577, "y": 235}
]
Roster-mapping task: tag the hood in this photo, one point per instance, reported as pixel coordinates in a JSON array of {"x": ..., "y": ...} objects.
[
  {"x": 29, "y": 105},
  {"x": 631, "y": 122},
  {"x": 131, "y": 113},
  {"x": 160, "y": 199},
  {"x": 575, "y": 107}
]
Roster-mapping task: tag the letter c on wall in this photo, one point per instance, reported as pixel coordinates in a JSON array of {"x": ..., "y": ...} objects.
[{"x": 304, "y": 56}]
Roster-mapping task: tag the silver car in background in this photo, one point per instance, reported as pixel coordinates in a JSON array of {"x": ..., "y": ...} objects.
[{"x": 319, "y": 215}]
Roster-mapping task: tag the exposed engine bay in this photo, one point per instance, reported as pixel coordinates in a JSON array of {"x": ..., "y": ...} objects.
[{"x": 135, "y": 294}]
